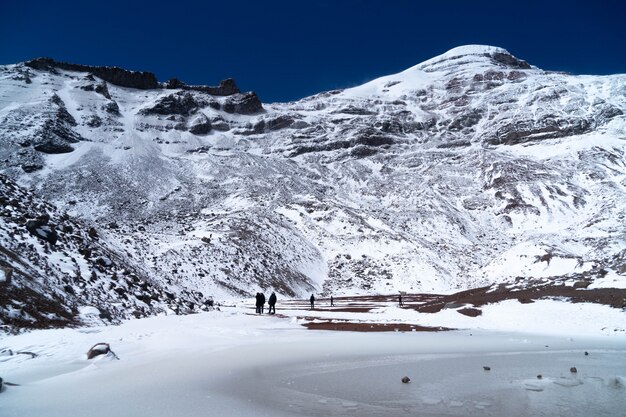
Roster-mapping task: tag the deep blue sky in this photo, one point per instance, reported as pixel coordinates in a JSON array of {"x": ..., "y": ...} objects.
[{"x": 286, "y": 50}]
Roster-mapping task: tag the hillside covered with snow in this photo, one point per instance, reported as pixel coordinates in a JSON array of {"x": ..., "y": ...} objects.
[{"x": 472, "y": 168}]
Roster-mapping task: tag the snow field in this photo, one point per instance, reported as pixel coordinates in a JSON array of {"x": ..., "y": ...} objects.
[{"x": 234, "y": 363}]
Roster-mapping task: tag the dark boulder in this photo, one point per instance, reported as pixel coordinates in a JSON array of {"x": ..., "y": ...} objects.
[
  {"x": 8, "y": 276},
  {"x": 100, "y": 349},
  {"x": 28, "y": 168},
  {"x": 470, "y": 312},
  {"x": 52, "y": 147},
  {"x": 41, "y": 228},
  {"x": 201, "y": 125}
]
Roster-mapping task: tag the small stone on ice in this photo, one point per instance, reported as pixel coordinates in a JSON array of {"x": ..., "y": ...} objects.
[
  {"x": 486, "y": 368},
  {"x": 573, "y": 369},
  {"x": 406, "y": 379}
]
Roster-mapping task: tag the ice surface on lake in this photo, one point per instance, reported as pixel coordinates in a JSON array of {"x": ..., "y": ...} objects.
[
  {"x": 223, "y": 364},
  {"x": 446, "y": 385}
]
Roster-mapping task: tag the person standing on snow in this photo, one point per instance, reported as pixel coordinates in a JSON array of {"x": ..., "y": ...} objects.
[
  {"x": 258, "y": 303},
  {"x": 262, "y": 302},
  {"x": 272, "y": 303},
  {"x": 312, "y": 300}
]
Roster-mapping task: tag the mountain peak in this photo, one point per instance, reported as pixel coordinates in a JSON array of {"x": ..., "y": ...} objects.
[
  {"x": 474, "y": 50},
  {"x": 468, "y": 54}
]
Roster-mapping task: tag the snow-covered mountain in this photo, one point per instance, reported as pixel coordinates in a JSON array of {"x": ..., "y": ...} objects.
[{"x": 470, "y": 168}]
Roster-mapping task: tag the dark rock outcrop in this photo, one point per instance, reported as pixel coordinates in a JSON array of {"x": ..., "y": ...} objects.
[
  {"x": 103, "y": 90},
  {"x": 55, "y": 134},
  {"x": 112, "y": 108},
  {"x": 115, "y": 75},
  {"x": 174, "y": 83},
  {"x": 227, "y": 87},
  {"x": 219, "y": 124},
  {"x": 546, "y": 128},
  {"x": 363, "y": 144},
  {"x": 510, "y": 61},
  {"x": 280, "y": 122},
  {"x": 247, "y": 103},
  {"x": 181, "y": 103}
]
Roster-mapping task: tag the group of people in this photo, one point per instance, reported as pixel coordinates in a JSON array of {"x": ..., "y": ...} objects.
[
  {"x": 312, "y": 300},
  {"x": 260, "y": 303}
]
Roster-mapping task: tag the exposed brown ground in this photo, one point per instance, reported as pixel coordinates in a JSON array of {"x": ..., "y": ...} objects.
[
  {"x": 465, "y": 302},
  {"x": 477, "y": 297},
  {"x": 371, "y": 327}
]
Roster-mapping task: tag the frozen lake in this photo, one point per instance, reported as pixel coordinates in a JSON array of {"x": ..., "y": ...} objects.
[
  {"x": 240, "y": 365},
  {"x": 443, "y": 384}
]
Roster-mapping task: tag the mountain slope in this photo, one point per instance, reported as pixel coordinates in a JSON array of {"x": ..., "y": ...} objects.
[
  {"x": 470, "y": 168},
  {"x": 57, "y": 271}
]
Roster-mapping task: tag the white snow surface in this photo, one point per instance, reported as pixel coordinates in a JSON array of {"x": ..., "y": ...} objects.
[{"x": 234, "y": 363}]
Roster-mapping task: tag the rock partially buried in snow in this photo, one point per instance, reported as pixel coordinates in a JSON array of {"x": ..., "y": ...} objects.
[
  {"x": 4, "y": 384},
  {"x": 487, "y": 368},
  {"x": 573, "y": 370},
  {"x": 100, "y": 349},
  {"x": 406, "y": 379}
]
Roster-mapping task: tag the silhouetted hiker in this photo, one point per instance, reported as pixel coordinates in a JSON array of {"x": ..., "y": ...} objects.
[
  {"x": 258, "y": 303},
  {"x": 312, "y": 299},
  {"x": 272, "y": 303},
  {"x": 262, "y": 302},
  {"x": 400, "y": 303},
  {"x": 331, "y": 301}
]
